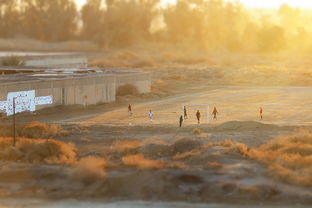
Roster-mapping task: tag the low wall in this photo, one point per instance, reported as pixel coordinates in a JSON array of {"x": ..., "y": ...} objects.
[{"x": 77, "y": 89}]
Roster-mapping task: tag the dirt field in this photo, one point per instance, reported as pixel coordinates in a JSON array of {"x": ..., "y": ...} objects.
[
  {"x": 135, "y": 159},
  {"x": 105, "y": 156}
]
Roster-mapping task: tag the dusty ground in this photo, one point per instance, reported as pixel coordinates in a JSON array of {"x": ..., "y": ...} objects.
[
  {"x": 137, "y": 159},
  {"x": 157, "y": 161}
]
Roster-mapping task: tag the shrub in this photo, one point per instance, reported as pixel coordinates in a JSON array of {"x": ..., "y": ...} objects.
[
  {"x": 196, "y": 131},
  {"x": 127, "y": 89},
  {"x": 37, "y": 151},
  {"x": 40, "y": 130},
  {"x": 140, "y": 162},
  {"x": 13, "y": 61}
]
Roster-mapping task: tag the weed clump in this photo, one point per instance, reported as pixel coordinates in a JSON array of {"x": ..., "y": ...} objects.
[
  {"x": 40, "y": 130},
  {"x": 196, "y": 131},
  {"x": 140, "y": 161},
  {"x": 127, "y": 89},
  {"x": 90, "y": 170},
  {"x": 37, "y": 151},
  {"x": 288, "y": 159}
]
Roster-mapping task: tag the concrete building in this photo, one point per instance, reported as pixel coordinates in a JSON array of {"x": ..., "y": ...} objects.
[{"x": 37, "y": 88}]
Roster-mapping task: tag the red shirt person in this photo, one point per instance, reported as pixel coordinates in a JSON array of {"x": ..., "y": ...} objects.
[
  {"x": 261, "y": 113},
  {"x": 130, "y": 108},
  {"x": 214, "y": 113}
]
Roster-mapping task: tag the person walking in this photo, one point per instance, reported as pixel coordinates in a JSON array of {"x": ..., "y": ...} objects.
[
  {"x": 150, "y": 115},
  {"x": 261, "y": 113},
  {"x": 181, "y": 121},
  {"x": 198, "y": 116},
  {"x": 185, "y": 112},
  {"x": 130, "y": 109},
  {"x": 214, "y": 113}
]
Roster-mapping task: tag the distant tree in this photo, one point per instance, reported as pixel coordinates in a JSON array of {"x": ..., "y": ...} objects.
[
  {"x": 117, "y": 22},
  {"x": 92, "y": 15},
  {"x": 271, "y": 38},
  {"x": 9, "y": 18},
  {"x": 50, "y": 20}
]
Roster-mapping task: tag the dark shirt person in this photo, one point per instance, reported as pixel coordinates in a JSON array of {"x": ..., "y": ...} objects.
[{"x": 198, "y": 116}]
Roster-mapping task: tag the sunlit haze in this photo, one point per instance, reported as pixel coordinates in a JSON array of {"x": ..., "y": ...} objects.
[{"x": 253, "y": 3}]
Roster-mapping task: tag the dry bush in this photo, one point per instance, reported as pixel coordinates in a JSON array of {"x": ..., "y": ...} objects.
[
  {"x": 89, "y": 170},
  {"x": 126, "y": 55},
  {"x": 141, "y": 63},
  {"x": 12, "y": 61},
  {"x": 125, "y": 145},
  {"x": 187, "y": 155},
  {"x": 178, "y": 77},
  {"x": 6, "y": 130},
  {"x": 185, "y": 145},
  {"x": 288, "y": 158},
  {"x": 140, "y": 162},
  {"x": 178, "y": 165},
  {"x": 127, "y": 89},
  {"x": 85, "y": 140},
  {"x": 184, "y": 59},
  {"x": 214, "y": 164},
  {"x": 37, "y": 151},
  {"x": 40, "y": 130},
  {"x": 196, "y": 131}
]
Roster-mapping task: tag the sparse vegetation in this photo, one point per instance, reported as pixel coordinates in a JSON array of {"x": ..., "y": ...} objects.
[
  {"x": 287, "y": 159},
  {"x": 37, "y": 151},
  {"x": 140, "y": 161},
  {"x": 127, "y": 89},
  {"x": 33, "y": 130},
  {"x": 12, "y": 61},
  {"x": 196, "y": 131},
  {"x": 40, "y": 130}
]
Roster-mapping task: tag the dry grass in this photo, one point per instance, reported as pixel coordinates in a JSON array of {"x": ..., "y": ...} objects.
[
  {"x": 125, "y": 145},
  {"x": 178, "y": 165},
  {"x": 288, "y": 158},
  {"x": 33, "y": 130},
  {"x": 196, "y": 131},
  {"x": 85, "y": 140},
  {"x": 187, "y": 155},
  {"x": 38, "y": 151},
  {"x": 40, "y": 130},
  {"x": 214, "y": 164},
  {"x": 140, "y": 161},
  {"x": 127, "y": 89},
  {"x": 90, "y": 170}
]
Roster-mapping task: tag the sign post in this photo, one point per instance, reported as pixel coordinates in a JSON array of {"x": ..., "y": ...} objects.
[{"x": 14, "y": 123}]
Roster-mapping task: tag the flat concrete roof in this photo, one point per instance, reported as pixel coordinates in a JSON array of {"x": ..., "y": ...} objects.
[
  {"x": 32, "y": 74},
  {"x": 44, "y": 76},
  {"x": 36, "y": 54}
]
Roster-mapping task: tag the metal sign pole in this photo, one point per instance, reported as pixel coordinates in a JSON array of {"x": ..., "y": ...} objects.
[{"x": 14, "y": 124}]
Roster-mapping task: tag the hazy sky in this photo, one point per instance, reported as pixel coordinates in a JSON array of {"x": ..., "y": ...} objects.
[{"x": 256, "y": 3}]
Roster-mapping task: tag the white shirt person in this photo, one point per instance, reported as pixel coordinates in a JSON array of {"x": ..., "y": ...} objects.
[{"x": 150, "y": 115}]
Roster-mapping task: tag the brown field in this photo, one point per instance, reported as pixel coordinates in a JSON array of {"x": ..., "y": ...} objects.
[{"x": 103, "y": 153}]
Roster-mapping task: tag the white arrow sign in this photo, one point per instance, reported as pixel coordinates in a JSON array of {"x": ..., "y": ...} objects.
[{"x": 24, "y": 101}]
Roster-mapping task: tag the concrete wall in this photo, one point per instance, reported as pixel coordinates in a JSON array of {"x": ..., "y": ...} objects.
[
  {"x": 83, "y": 90},
  {"x": 142, "y": 81}
]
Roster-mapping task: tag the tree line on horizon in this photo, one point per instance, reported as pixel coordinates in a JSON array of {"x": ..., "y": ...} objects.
[{"x": 207, "y": 24}]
